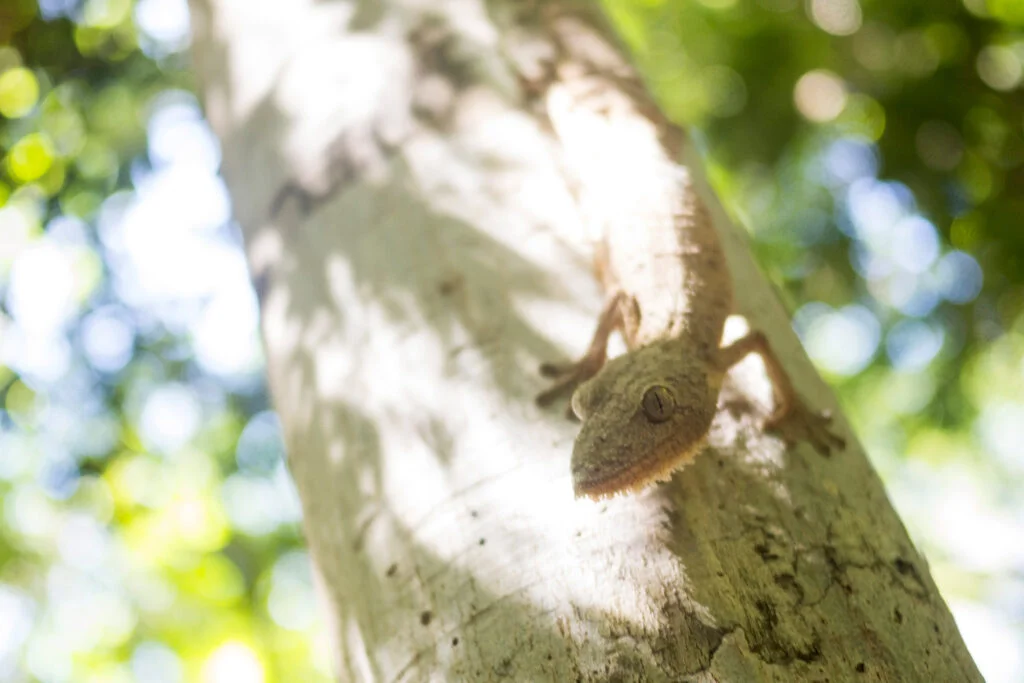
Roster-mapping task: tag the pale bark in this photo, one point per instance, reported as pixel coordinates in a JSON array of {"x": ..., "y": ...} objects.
[{"x": 413, "y": 226}]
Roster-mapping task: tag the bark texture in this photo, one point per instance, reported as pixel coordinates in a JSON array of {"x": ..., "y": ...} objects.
[{"x": 418, "y": 233}]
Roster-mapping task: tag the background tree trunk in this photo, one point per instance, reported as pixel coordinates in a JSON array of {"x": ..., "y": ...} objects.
[{"x": 413, "y": 225}]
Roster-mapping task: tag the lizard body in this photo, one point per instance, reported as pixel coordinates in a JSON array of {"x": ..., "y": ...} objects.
[
  {"x": 647, "y": 413},
  {"x": 667, "y": 283}
]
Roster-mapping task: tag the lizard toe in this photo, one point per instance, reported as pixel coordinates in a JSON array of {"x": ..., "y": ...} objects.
[
  {"x": 567, "y": 377},
  {"x": 555, "y": 370}
]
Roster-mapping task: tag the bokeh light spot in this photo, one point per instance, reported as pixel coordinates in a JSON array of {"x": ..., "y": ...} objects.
[
  {"x": 83, "y": 543},
  {"x": 53, "y": 9},
  {"x": 97, "y": 161},
  {"x": 912, "y": 344},
  {"x": 915, "y": 244},
  {"x": 907, "y": 292},
  {"x": 19, "y": 456},
  {"x": 1000, "y": 67},
  {"x": 170, "y": 417},
  {"x": 30, "y": 513},
  {"x": 849, "y": 159},
  {"x": 178, "y": 133},
  {"x": 838, "y": 17},
  {"x": 218, "y": 579},
  {"x": 842, "y": 342},
  {"x": 233, "y": 662},
  {"x": 258, "y": 505},
  {"x": 291, "y": 601},
  {"x": 960, "y": 277},
  {"x": 875, "y": 207},
  {"x": 138, "y": 480},
  {"x": 260, "y": 445},
  {"x": 226, "y": 335},
  {"x": 105, "y": 13},
  {"x": 916, "y": 55},
  {"x": 820, "y": 95},
  {"x": 1001, "y": 428},
  {"x": 19, "y": 92},
  {"x": 107, "y": 339},
  {"x": 1009, "y": 11},
  {"x": 874, "y": 46},
  {"x": 200, "y": 522},
  {"x": 17, "y": 613},
  {"x": 164, "y": 21},
  {"x": 18, "y": 225},
  {"x": 155, "y": 662},
  {"x": 40, "y": 293},
  {"x": 863, "y": 116},
  {"x": 30, "y": 158}
]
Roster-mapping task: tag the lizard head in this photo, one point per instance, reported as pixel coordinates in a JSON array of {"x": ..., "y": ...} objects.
[{"x": 645, "y": 414}]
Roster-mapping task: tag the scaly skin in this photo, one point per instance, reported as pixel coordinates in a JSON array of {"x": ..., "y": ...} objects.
[{"x": 647, "y": 413}]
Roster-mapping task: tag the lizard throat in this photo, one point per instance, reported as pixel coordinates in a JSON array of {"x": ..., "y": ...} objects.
[{"x": 658, "y": 467}]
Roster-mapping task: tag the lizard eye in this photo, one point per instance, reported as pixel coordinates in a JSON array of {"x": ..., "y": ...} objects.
[{"x": 658, "y": 403}]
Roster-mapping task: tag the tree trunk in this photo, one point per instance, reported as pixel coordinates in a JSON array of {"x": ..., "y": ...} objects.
[{"x": 408, "y": 180}]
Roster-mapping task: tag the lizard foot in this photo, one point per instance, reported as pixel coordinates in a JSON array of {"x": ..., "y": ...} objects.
[
  {"x": 801, "y": 424},
  {"x": 567, "y": 377}
]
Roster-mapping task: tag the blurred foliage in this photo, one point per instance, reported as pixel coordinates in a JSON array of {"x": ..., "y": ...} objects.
[{"x": 149, "y": 530}]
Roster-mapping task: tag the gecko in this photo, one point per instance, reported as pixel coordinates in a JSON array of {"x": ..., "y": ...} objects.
[{"x": 647, "y": 413}]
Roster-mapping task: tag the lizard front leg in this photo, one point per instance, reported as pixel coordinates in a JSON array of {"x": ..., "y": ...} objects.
[
  {"x": 791, "y": 419},
  {"x": 570, "y": 375}
]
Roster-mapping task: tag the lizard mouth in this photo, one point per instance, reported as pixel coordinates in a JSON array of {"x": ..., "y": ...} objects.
[{"x": 631, "y": 479}]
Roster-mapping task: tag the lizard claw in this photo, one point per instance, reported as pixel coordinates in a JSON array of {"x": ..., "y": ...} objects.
[
  {"x": 555, "y": 370},
  {"x": 800, "y": 424}
]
